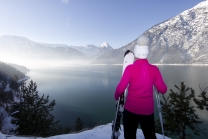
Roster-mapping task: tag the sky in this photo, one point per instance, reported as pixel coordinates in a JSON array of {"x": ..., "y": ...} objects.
[{"x": 86, "y": 22}]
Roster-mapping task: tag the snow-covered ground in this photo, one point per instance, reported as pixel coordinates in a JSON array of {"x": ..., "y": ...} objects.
[{"x": 99, "y": 132}]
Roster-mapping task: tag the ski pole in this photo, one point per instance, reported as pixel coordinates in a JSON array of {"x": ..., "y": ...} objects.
[{"x": 159, "y": 110}]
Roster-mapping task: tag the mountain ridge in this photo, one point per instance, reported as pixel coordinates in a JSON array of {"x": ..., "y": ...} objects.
[{"x": 182, "y": 39}]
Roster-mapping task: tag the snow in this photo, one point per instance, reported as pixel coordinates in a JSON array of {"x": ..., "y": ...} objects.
[
  {"x": 183, "y": 35},
  {"x": 6, "y": 123},
  {"x": 99, "y": 132},
  {"x": 23, "y": 79},
  {"x": 105, "y": 44},
  {"x": 7, "y": 88},
  {"x": 202, "y": 4}
]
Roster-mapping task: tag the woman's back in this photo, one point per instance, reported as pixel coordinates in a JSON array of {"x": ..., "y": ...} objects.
[{"x": 142, "y": 77}]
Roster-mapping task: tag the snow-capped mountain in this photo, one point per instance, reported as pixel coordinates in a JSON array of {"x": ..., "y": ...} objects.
[
  {"x": 23, "y": 48},
  {"x": 93, "y": 51},
  {"x": 103, "y": 48},
  {"x": 181, "y": 39}
]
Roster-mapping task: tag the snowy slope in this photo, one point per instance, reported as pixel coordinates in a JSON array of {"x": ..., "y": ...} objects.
[{"x": 100, "y": 132}]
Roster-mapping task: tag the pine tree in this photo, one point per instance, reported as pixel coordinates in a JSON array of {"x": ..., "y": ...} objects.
[
  {"x": 178, "y": 115},
  {"x": 203, "y": 101},
  {"x": 34, "y": 117},
  {"x": 202, "y": 104},
  {"x": 14, "y": 85},
  {"x": 79, "y": 125}
]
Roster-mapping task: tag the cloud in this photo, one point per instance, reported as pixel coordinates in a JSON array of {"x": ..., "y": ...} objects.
[{"x": 65, "y": 1}]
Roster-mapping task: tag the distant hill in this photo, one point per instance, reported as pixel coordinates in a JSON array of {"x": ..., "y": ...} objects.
[
  {"x": 8, "y": 71},
  {"x": 22, "y": 69}
]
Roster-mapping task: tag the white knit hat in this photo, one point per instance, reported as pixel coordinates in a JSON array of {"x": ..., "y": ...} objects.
[{"x": 141, "y": 49}]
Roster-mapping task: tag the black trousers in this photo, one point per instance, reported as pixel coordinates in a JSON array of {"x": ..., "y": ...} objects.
[{"x": 131, "y": 122}]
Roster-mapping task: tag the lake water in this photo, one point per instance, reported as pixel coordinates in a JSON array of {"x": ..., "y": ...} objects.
[{"x": 88, "y": 91}]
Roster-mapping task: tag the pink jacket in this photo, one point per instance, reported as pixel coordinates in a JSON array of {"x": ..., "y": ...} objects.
[{"x": 141, "y": 77}]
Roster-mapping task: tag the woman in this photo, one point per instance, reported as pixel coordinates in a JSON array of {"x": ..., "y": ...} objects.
[{"x": 140, "y": 77}]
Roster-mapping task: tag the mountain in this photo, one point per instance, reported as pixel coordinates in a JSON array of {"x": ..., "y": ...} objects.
[
  {"x": 182, "y": 39},
  {"x": 92, "y": 51},
  {"x": 20, "y": 50},
  {"x": 24, "y": 49},
  {"x": 105, "y": 47},
  {"x": 20, "y": 47},
  {"x": 114, "y": 56},
  {"x": 89, "y": 50}
]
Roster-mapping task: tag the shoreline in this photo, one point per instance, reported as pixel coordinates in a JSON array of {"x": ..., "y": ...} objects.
[
  {"x": 88, "y": 64},
  {"x": 181, "y": 64},
  {"x": 165, "y": 64}
]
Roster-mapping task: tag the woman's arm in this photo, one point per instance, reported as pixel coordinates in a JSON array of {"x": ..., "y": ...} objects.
[
  {"x": 123, "y": 83},
  {"x": 159, "y": 83}
]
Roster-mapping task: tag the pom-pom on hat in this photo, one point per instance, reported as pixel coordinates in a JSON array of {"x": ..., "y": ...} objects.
[{"x": 141, "y": 49}]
